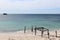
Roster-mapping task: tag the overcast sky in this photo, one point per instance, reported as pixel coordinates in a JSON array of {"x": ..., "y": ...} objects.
[{"x": 30, "y": 6}]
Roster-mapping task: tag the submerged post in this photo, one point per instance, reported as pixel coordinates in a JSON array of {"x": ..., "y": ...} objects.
[
  {"x": 32, "y": 29},
  {"x": 25, "y": 29}
]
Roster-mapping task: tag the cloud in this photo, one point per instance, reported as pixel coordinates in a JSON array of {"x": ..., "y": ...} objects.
[{"x": 25, "y": 5}]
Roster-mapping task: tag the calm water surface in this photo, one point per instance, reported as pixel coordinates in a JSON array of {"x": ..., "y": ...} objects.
[{"x": 15, "y": 22}]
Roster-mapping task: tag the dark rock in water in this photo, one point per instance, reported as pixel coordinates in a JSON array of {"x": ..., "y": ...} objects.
[{"x": 4, "y": 13}]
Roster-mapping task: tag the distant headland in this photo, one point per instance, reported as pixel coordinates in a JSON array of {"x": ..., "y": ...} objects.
[{"x": 4, "y": 13}]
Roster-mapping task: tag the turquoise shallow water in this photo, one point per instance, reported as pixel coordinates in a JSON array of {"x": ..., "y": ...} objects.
[{"x": 15, "y": 22}]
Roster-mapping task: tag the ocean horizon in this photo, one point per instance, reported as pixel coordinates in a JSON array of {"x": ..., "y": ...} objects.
[{"x": 16, "y": 22}]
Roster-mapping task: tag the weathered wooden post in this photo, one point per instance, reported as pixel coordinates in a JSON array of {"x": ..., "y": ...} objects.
[
  {"x": 48, "y": 33},
  {"x": 42, "y": 33},
  {"x": 56, "y": 33},
  {"x": 25, "y": 29},
  {"x": 35, "y": 30},
  {"x": 32, "y": 29}
]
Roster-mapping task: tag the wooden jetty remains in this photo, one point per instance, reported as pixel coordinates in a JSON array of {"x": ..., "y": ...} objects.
[{"x": 42, "y": 29}]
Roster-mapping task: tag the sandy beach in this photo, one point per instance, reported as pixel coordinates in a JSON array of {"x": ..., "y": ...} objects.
[
  {"x": 40, "y": 22},
  {"x": 20, "y": 35}
]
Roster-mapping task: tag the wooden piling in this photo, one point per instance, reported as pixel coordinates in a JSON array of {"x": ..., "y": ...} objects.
[
  {"x": 35, "y": 30},
  {"x": 48, "y": 33},
  {"x": 25, "y": 29},
  {"x": 32, "y": 29},
  {"x": 41, "y": 33},
  {"x": 56, "y": 33}
]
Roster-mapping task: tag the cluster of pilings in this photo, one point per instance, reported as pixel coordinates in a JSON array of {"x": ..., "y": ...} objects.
[{"x": 42, "y": 29}]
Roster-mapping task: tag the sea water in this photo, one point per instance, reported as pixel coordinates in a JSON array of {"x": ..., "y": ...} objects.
[{"x": 17, "y": 22}]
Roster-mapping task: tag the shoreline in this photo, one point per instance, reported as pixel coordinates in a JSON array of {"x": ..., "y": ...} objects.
[
  {"x": 23, "y": 31},
  {"x": 20, "y": 35}
]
